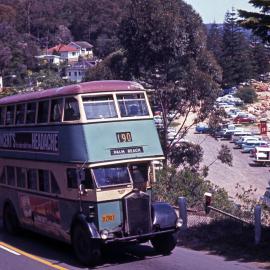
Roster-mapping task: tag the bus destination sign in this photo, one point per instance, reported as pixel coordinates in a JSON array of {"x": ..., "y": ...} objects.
[
  {"x": 36, "y": 141},
  {"x": 126, "y": 150}
]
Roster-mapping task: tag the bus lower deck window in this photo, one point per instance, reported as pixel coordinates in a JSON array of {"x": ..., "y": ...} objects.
[
  {"x": 10, "y": 176},
  {"x": 44, "y": 180},
  {"x": 54, "y": 186},
  {"x": 3, "y": 176},
  {"x": 21, "y": 177},
  {"x": 32, "y": 179}
]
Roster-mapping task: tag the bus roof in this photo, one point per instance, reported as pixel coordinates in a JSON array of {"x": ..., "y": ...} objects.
[{"x": 80, "y": 88}]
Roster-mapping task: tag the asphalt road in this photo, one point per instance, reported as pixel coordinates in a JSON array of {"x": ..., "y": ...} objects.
[
  {"x": 33, "y": 252},
  {"x": 243, "y": 170}
]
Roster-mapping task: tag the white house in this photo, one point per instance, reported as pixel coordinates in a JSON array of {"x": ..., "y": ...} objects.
[
  {"x": 85, "y": 48},
  {"x": 49, "y": 58},
  {"x": 76, "y": 72},
  {"x": 66, "y": 52}
]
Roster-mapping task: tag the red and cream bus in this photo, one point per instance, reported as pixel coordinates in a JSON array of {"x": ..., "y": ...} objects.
[{"x": 77, "y": 164}]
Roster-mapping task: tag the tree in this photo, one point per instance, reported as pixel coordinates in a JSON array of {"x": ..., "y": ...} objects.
[
  {"x": 236, "y": 54},
  {"x": 214, "y": 40},
  {"x": 165, "y": 46},
  {"x": 258, "y": 22}
]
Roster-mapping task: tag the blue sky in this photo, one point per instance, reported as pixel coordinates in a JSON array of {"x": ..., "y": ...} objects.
[{"x": 214, "y": 10}]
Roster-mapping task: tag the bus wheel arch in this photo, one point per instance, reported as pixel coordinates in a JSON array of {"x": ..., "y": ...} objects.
[
  {"x": 10, "y": 218},
  {"x": 86, "y": 247}
]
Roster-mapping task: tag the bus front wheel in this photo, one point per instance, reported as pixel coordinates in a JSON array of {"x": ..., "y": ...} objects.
[
  {"x": 164, "y": 244},
  {"x": 10, "y": 219},
  {"x": 86, "y": 249}
]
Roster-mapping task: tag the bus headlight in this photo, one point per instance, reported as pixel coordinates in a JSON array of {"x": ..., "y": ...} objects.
[
  {"x": 104, "y": 234},
  {"x": 179, "y": 223}
]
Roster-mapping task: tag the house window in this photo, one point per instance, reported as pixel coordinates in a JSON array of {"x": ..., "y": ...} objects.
[
  {"x": 75, "y": 73},
  {"x": 73, "y": 53},
  {"x": 69, "y": 73}
]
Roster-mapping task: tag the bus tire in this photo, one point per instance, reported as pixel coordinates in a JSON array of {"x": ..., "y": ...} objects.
[
  {"x": 10, "y": 219},
  {"x": 86, "y": 249},
  {"x": 165, "y": 243}
]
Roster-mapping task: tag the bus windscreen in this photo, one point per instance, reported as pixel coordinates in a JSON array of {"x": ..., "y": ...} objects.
[{"x": 110, "y": 176}]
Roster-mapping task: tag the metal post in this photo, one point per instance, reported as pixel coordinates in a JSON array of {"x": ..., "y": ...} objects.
[
  {"x": 182, "y": 203},
  {"x": 257, "y": 224}
]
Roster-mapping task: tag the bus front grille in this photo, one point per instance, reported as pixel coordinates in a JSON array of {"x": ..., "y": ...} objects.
[{"x": 138, "y": 216}]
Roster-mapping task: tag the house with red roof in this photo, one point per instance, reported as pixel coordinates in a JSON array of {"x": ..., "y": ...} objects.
[{"x": 66, "y": 52}]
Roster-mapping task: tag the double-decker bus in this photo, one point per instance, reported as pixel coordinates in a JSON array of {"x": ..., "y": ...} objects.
[{"x": 77, "y": 164}]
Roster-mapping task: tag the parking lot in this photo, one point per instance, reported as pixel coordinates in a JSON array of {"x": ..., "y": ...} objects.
[{"x": 243, "y": 171}]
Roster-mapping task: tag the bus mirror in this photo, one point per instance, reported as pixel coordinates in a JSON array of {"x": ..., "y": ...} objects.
[{"x": 82, "y": 189}]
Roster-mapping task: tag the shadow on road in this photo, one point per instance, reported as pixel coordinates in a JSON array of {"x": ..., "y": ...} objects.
[
  {"x": 60, "y": 253},
  {"x": 230, "y": 239}
]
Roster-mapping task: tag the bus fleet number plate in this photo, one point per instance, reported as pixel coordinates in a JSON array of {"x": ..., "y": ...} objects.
[{"x": 124, "y": 137}]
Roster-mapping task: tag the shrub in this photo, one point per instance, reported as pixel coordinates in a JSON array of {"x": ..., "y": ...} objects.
[{"x": 247, "y": 94}]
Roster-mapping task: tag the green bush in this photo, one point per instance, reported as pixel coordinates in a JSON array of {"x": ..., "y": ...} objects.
[
  {"x": 172, "y": 184},
  {"x": 247, "y": 94}
]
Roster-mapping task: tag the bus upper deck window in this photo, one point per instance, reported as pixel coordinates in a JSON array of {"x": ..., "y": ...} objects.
[
  {"x": 10, "y": 115},
  {"x": 99, "y": 107},
  {"x": 72, "y": 111},
  {"x": 31, "y": 113},
  {"x": 43, "y": 111},
  {"x": 132, "y": 105},
  {"x": 2, "y": 115},
  {"x": 56, "y": 110},
  {"x": 20, "y": 112}
]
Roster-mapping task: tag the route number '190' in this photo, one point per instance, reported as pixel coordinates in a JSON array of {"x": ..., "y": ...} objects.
[{"x": 124, "y": 137}]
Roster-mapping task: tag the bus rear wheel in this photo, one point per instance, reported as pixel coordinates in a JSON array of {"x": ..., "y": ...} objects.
[
  {"x": 86, "y": 249},
  {"x": 164, "y": 244},
  {"x": 10, "y": 219}
]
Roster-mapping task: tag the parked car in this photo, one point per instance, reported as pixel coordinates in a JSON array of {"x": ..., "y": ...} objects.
[
  {"x": 246, "y": 139},
  {"x": 202, "y": 128},
  {"x": 249, "y": 146},
  {"x": 158, "y": 120},
  {"x": 246, "y": 118}
]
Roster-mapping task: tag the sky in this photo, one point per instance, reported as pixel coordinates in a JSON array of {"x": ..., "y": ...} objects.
[{"x": 214, "y": 10}]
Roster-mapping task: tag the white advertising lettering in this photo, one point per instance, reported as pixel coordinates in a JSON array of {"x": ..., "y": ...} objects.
[{"x": 46, "y": 142}]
